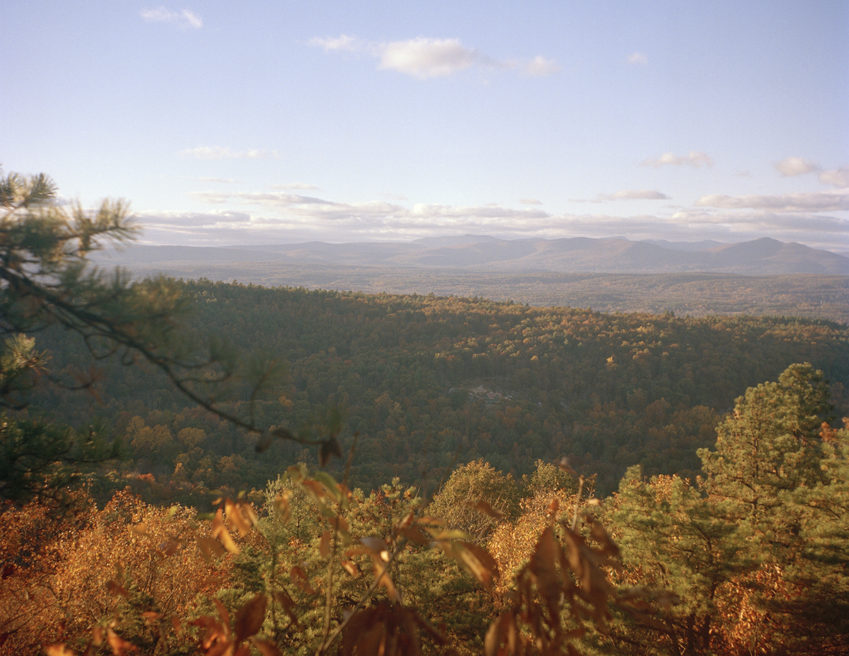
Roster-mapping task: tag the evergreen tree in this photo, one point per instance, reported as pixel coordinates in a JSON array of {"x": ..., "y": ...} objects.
[
  {"x": 47, "y": 282},
  {"x": 752, "y": 558},
  {"x": 770, "y": 443}
]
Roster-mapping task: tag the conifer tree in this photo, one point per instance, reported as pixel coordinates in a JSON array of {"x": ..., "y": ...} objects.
[
  {"x": 47, "y": 282},
  {"x": 751, "y": 558}
]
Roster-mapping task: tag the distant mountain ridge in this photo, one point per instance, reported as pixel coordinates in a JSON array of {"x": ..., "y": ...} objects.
[{"x": 764, "y": 256}]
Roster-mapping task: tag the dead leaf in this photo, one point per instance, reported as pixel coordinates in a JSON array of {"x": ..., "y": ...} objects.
[
  {"x": 115, "y": 588},
  {"x": 220, "y": 532},
  {"x": 118, "y": 644},
  {"x": 486, "y": 509},
  {"x": 299, "y": 576},
  {"x": 58, "y": 650},
  {"x": 250, "y": 617},
  {"x": 266, "y": 647}
]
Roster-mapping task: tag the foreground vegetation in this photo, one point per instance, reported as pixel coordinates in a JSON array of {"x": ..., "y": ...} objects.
[{"x": 750, "y": 557}]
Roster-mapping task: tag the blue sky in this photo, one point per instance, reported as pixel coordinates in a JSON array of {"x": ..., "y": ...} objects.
[{"x": 252, "y": 122}]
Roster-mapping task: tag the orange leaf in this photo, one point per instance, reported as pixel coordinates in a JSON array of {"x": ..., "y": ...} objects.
[
  {"x": 351, "y": 567},
  {"x": 266, "y": 647},
  {"x": 221, "y": 649},
  {"x": 222, "y": 612},
  {"x": 210, "y": 548},
  {"x": 236, "y": 514},
  {"x": 58, "y": 650},
  {"x": 115, "y": 588},
  {"x": 282, "y": 597},
  {"x": 250, "y": 617},
  {"x": 324, "y": 545},
  {"x": 315, "y": 487},
  {"x": 220, "y": 532},
  {"x": 375, "y": 545},
  {"x": 415, "y": 535},
  {"x": 118, "y": 644},
  {"x": 502, "y": 630},
  {"x": 486, "y": 509},
  {"x": 299, "y": 576},
  {"x": 380, "y": 570},
  {"x": 475, "y": 559}
]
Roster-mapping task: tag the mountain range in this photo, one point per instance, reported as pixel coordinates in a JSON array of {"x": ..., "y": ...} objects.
[{"x": 764, "y": 256}]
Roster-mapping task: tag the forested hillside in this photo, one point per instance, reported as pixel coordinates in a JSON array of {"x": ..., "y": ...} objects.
[
  {"x": 692, "y": 294},
  {"x": 420, "y": 384}
]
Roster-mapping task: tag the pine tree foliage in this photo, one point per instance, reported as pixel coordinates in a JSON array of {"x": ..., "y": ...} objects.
[
  {"x": 47, "y": 282},
  {"x": 751, "y": 557}
]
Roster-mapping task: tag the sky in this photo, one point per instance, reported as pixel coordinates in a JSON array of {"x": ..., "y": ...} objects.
[{"x": 251, "y": 122}]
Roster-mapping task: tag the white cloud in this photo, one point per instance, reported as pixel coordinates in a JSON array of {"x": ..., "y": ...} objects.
[
  {"x": 693, "y": 158},
  {"x": 530, "y": 201},
  {"x": 426, "y": 58},
  {"x": 221, "y": 152},
  {"x": 638, "y": 59},
  {"x": 801, "y": 202},
  {"x": 296, "y": 186},
  {"x": 375, "y": 215},
  {"x": 217, "y": 180},
  {"x": 837, "y": 177},
  {"x": 342, "y": 42},
  {"x": 190, "y": 219},
  {"x": 792, "y": 166},
  {"x": 277, "y": 216},
  {"x": 541, "y": 66},
  {"x": 183, "y": 18},
  {"x": 635, "y": 194}
]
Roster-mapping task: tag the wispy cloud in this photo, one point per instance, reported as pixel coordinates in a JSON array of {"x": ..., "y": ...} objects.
[
  {"x": 793, "y": 166},
  {"x": 693, "y": 158},
  {"x": 266, "y": 216},
  {"x": 638, "y": 59},
  {"x": 541, "y": 66},
  {"x": 184, "y": 18},
  {"x": 836, "y": 177},
  {"x": 801, "y": 202},
  {"x": 375, "y": 216},
  {"x": 426, "y": 58},
  {"x": 295, "y": 186},
  {"x": 342, "y": 42},
  {"x": 635, "y": 194},
  {"x": 221, "y": 152},
  {"x": 192, "y": 219},
  {"x": 216, "y": 180}
]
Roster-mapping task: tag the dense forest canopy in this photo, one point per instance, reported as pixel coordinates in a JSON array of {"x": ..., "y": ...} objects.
[{"x": 427, "y": 383}]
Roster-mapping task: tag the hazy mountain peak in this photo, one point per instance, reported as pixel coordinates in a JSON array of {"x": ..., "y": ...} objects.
[{"x": 764, "y": 256}]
